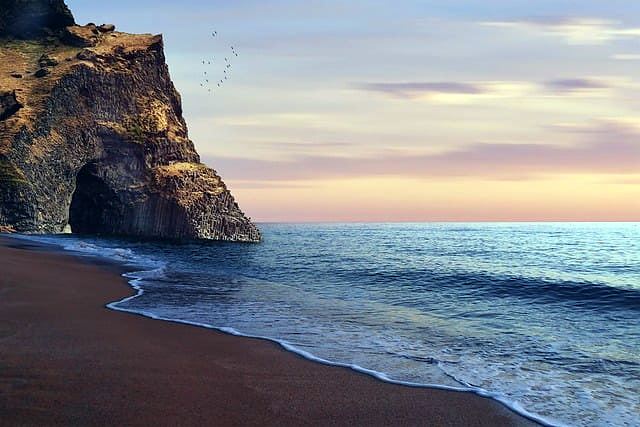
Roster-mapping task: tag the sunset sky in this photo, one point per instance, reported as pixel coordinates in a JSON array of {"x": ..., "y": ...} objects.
[{"x": 409, "y": 110}]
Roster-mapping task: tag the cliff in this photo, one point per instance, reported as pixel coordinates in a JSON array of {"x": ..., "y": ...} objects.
[{"x": 92, "y": 136}]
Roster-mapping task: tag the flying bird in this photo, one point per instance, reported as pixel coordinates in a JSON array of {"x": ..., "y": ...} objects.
[{"x": 226, "y": 69}]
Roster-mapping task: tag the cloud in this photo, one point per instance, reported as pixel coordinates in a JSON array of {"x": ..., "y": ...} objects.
[
  {"x": 608, "y": 148},
  {"x": 412, "y": 89},
  {"x": 465, "y": 92},
  {"x": 576, "y": 85},
  {"x": 630, "y": 181},
  {"x": 309, "y": 144},
  {"x": 261, "y": 184},
  {"x": 449, "y": 92},
  {"x": 626, "y": 57},
  {"x": 582, "y": 31}
]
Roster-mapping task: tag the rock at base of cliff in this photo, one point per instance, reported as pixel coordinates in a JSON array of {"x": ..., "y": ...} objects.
[{"x": 7, "y": 229}]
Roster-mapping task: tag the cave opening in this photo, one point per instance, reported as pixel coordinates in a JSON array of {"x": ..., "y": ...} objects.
[{"x": 93, "y": 203}]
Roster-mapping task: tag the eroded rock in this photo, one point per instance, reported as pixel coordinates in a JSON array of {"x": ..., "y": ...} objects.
[
  {"x": 106, "y": 28},
  {"x": 81, "y": 36},
  {"x": 9, "y": 104},
  {"x": 42, "y": 72},
  {"x": 6, "y": 229},
  {"x": 46, "y": 61},
  {"x": 86, "y": 55}
]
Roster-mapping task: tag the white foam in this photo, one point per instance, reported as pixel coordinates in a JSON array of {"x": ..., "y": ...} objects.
[{"x": 122, "y": 255}]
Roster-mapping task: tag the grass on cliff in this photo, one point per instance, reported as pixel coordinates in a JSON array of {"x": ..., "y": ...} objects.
[
  {"x": 136, "y": 132},
  {"x": 138, "y": 128},
  {"x": 32, "y": 48}
]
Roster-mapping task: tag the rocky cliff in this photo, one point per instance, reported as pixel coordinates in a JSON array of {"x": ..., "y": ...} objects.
[{"x": 92, "y": 136}]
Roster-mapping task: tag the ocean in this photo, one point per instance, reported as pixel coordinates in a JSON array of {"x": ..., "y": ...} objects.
[{"x": 543, "y": 317}]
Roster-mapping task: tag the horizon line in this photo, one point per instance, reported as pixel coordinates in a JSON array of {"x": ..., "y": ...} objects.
[{"x": 455, "y": 222}]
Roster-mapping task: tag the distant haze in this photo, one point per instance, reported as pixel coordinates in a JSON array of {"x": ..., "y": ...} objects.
[{"x": 461, "y": 110}]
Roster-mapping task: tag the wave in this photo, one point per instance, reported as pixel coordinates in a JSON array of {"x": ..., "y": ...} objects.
[
  {"x": 585, "y": 295},
  {"x": 582, "y": 295}
]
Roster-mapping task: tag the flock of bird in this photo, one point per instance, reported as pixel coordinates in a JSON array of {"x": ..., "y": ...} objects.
[{"x": 210, "y": 81}]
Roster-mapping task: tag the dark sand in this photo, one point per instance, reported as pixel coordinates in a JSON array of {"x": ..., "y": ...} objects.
[{"x": 66, "y": 359}]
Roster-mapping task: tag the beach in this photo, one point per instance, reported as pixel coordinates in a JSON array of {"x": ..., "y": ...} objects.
[{"x": 67, "y": 359}]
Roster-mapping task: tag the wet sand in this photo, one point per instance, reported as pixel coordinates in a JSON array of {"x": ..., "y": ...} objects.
[{"x": 65, "y": 359}]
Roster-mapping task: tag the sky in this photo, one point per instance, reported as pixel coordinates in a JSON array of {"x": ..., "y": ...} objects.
[{"x": 457, "y": 110}]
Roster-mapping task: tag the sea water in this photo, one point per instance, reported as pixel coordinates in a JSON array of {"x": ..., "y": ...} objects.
[{"x": 544, "y": 317}]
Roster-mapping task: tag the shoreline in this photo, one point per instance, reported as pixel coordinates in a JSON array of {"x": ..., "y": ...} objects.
[{"x": 171, "y": 373}]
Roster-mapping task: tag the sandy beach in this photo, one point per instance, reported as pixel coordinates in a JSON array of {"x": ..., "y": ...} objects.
[{"x": 65, "y": 359}]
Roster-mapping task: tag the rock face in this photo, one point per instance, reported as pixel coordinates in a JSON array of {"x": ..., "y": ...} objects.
[
  {"x": 32, "y": 18},
  {"x": 99, "y": 145}
]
